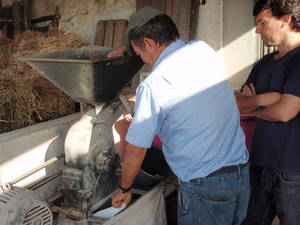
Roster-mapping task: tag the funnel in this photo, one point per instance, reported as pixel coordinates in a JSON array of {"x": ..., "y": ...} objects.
[{"x": 86, "y": 74}]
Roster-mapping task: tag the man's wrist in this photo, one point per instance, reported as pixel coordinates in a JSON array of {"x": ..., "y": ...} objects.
[{"x": 125, "y": 190}]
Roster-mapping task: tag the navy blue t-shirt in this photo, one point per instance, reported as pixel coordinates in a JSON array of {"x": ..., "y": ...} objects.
[{"x": 277, "y": 144}]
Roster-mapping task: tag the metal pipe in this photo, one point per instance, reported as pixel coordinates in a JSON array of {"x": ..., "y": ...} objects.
[
  {"x": 44, "y": 180},
  {"x": 29, "y": 173}
]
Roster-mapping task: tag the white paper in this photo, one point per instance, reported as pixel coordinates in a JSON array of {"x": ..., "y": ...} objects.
[{"x": 109, "y": 212}]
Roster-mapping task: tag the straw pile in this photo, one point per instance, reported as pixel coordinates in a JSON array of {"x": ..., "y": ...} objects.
[{"x": 25, "y": 96}]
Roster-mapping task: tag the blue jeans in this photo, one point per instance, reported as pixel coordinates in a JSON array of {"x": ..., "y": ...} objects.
[
  {"x": 273, "y": 192},
  {"x": 214, "y": 200}
]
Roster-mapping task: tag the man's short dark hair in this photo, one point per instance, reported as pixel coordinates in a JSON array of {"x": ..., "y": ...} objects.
[
  {"x": 160, "y": 28},
  {"x": 260, "y": 6},
  {"x": 280, "y": 8}
]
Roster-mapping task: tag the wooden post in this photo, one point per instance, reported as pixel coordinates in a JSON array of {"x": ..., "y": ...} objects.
[
  {"x": 16, "y": 17},
  {"x": 27, "y": 14},
  {"x": 4, "y": 32},
  {"x": 7, "y": 31},
  {"x": 100, "y": 33}
]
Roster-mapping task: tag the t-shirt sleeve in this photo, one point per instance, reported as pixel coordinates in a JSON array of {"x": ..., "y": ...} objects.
[
  {"x": 252, "y": 76},
  {"x": 144, "y": 125},
  {"x": 292, "y": 83}
]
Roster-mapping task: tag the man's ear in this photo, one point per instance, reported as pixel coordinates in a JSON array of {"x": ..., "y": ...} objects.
[
  {"x": 287, "y": 20},
  {"x": 149, "y": 43}
]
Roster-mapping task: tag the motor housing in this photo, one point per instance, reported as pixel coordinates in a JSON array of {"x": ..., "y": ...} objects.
[{"x": 20, "y": 206}]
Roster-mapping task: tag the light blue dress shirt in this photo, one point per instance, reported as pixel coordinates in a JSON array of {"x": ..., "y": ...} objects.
[{"x": 189, "y": 103}]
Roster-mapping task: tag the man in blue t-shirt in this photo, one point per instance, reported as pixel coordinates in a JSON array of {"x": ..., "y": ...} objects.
[
  {"x": 272, "y": 94},
  {"x": 187, "y": 101}
]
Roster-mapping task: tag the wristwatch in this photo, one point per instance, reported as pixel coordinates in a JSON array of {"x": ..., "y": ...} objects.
[{"x": 124, "y": 190}]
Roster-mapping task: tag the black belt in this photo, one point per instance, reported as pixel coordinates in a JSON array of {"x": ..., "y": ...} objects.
[{"x": 228, "y": 169}]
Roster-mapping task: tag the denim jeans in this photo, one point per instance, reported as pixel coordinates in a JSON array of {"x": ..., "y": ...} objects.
[
  {"x": 214, "y": 200},
  {"x": 273, "y": 192}
]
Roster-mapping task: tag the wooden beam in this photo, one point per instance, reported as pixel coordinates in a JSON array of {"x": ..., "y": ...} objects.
[
  {"x": 27, "y": 14},
  {"x": 100, "y": 33},
  {"x": 160, "y": 5},
  {"x": 168, "y": 7},
  {"x": 142, "y": 3},
  {"x": 120, "y": 28},
  {"x": 16, "y": 17},
  {"x": 194, "y": 16},
  {"x": 4, "y": 32},
  {"x": 109, "y": 34},
  {"x": 181, "y": 16}
]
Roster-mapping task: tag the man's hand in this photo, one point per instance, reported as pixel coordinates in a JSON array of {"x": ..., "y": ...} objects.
[
  {"x": 132, "y": 162},
  {"x": 120, "y": 197},
  {"x": 120, "y": 51},
  {"x": 246, "y": 99},
  {"x": 248, "y": 90}
]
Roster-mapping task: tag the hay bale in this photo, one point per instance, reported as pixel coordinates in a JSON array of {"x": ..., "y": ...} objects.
[{"x": 25, "y": 96}]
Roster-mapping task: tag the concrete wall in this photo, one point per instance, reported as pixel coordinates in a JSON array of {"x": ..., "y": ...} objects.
[
  {"x": 25, "y": 149},
  {"x": 239, "y": 40},
  {"x": 210, "y": 24},
  {"x": 228, "y": 26}
]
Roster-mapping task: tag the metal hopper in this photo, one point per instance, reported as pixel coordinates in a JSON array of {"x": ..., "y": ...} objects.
[{"x": 86, "y": 74}]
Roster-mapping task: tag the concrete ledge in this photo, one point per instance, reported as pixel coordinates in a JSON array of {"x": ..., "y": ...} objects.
[{"x": 25, "y": 149}]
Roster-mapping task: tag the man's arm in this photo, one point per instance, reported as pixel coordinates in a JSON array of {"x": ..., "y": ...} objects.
[
  {"x": 248, "y": 100},
  {"x": 283, "y": 111},
  {"x": 120, "y": 51},
  {"x": 133, "y": 159},
  {"x": 247, "y": 104}
]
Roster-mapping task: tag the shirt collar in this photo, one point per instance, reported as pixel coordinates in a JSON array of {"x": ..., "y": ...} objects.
[{"x": 168, "y": 51}]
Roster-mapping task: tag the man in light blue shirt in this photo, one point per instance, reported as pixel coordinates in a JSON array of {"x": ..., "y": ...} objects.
[{"x": 188, "y": 102}]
